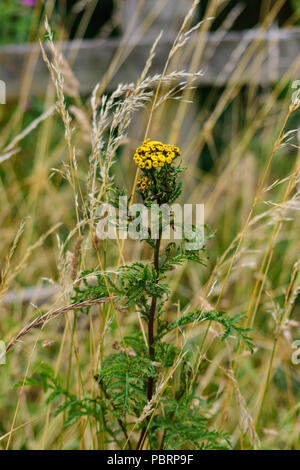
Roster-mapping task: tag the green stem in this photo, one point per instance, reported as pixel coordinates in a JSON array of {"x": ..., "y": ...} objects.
[{"x": 151, "y": 319}]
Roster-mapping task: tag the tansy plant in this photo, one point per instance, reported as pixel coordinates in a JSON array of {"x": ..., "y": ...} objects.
[
  {"x": 142, "y": 391},
  {"x": 147, "y": 385}
]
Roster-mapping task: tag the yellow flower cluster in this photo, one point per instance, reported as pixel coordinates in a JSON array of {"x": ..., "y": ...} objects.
[
  {"x": 143, "y": 183},
  {"x": 155, "y": 154}
]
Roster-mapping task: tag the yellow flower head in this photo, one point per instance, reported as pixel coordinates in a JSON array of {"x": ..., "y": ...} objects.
[
  {"x": 155, "y": 154},
  {"x": 143, "y": 183}
]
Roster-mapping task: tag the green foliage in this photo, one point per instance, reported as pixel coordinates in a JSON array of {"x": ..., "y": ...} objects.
[
  {"x": 164, "y": 185},
  {"x": 185, "y": 427},
  {"x": 91, "y": 292},
  {"x": 296, "y": 8},
  {"x": 72, "y": 404},
  {"x": 230, "y": 324},
  {"x": 43, "y": 376},
  {"x": 122, "y": 378},
  {"x": 15, "y": 22}
]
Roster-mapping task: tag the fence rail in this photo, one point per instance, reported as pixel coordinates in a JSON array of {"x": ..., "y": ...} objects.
[{"x": 271, "y": 54}]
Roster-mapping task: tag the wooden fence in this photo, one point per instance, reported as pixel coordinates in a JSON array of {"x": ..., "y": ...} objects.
[{"x": 253, "y": 56}]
